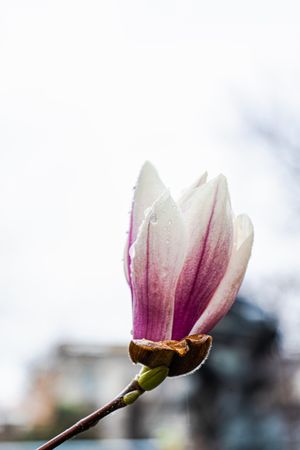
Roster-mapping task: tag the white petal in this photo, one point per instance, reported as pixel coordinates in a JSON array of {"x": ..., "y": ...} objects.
[
  {"x": 183, "y": 201},
  {"x": 149, "y": 188},
  {"x": 210, "y": 230},
  {"x": 200, "y": 202},
  {"x": 157, "y": 257},
  {"x": 230, "y": 284}
]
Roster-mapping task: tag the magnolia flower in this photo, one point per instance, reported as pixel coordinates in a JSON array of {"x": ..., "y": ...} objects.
[
  {"x": 184, "y": 263},
  {"x": 184, "y": 260}
]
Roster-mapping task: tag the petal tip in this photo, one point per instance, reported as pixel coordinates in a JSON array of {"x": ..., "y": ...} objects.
[
  {"x": 147, "y": 167},
  {"x": 244, "y": 229}
]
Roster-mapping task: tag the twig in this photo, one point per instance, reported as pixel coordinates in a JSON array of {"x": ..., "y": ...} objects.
[{"x": 133, "y": 389}]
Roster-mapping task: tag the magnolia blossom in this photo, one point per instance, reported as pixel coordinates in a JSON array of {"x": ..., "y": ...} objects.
[{"x": 184, "y": 260}]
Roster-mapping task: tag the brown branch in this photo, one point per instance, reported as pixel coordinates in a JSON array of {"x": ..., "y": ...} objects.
[{"x": 92, "y": 419}]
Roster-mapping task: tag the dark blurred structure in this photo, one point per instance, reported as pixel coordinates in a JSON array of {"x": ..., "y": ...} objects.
[{"x": 237, "y": 396}]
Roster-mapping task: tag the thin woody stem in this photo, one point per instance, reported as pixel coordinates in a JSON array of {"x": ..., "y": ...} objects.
[{"x": 92, "y": 419}]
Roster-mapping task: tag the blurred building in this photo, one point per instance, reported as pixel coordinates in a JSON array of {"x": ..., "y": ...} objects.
[{"x": 73, "y": 380}]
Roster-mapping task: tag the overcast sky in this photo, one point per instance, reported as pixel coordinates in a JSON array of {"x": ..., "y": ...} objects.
[{"x": 88, "y": 91}]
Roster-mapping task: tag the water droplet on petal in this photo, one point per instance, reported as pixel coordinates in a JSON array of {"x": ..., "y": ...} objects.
[
  {"x": 132, "y": 252},
  {"x": 153, "y": 219},
  {"x": 164, "y": 272}
]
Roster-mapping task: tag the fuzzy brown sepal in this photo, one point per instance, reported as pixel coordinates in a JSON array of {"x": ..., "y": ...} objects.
[{"x": 180, "y": 357}]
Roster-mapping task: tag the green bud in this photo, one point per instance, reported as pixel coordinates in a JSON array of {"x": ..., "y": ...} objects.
[
  {"x": 149, "y": 379},
  {"x": 131, "y": 397}
]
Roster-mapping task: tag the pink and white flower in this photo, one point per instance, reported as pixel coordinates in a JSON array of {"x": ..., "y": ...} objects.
[{"x": 184, "y": 260}]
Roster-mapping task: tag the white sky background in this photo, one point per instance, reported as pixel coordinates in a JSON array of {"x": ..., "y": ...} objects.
[{"x": 88, "y": 91}]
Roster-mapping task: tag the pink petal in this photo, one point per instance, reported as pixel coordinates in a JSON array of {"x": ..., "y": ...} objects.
[
  {"x": 148, "y": 189},
  {"x": 228, "y": 288},
  {"x": 187, "y": 195},
  {"x": 209, "y": 222},
  {"x": 157, "y": 258}
]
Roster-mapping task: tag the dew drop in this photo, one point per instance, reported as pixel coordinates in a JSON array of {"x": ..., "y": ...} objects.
[
  {"x": 132, "y": 252},
  {"x": 153, "y": 219},
  {"x": 164, "y": 273}
]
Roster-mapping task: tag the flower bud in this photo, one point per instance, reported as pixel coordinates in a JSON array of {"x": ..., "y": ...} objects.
[
  {"x": 149, "y": 379},
  {"x": 131, "y": 397},
  {"x": 185, "y": 260}
]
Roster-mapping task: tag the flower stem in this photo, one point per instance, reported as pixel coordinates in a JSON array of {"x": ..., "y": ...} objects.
[{"x": 125, "y": 398}]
